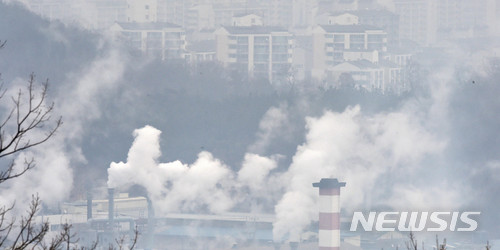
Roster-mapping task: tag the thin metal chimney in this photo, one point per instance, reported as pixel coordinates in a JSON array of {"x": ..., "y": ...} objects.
[
  {"x": 151, "y": 224},
  {"x": 329, "y": 213},
  {"x": 294, "y": 245},
  {"x": 111, "y": 206},
  {"x": 89, "y": 204}
]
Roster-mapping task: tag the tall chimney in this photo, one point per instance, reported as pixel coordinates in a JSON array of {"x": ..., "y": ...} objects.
[
  {"x": 329, "y": 213},
  {"x": 151, "y": 224},
  {"x": 294, "y": 245},
  {"x": 89, "y": 204},
  {"x": 111, "y": 206}
]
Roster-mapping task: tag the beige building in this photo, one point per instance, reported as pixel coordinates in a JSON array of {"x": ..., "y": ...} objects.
[{"x": 262, "y": 51}]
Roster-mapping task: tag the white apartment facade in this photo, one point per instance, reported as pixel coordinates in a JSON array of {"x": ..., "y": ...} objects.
[
  {"x": 262, "y": 51},
  {"x": 334, "y": 44},
  {"x": 165, "y": 40}
]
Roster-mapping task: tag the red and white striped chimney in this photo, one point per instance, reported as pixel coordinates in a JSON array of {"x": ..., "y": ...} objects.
[{"x": 329, "y": 213}]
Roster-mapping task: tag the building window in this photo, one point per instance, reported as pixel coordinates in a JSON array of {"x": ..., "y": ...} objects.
[
  {"x": 242, "y": 40},
  {"x": 280, "y": 40},
  {"x": 261, "y": 40},
  {"x": 338, "y": 38}
]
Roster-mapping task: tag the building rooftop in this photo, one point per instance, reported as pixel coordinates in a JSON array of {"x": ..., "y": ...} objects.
[
  {"x": 147, "y": 26},
  {"x": 254, "y": 29},
  {"x": 348, "y": 28},
  {"x": 387, "y": 64},
  {"x": 202, "y": 46},
  {"x": 364, "y": 64},
  {"x": 365, "y": 13},
  {"x": 246, "y": 14}
]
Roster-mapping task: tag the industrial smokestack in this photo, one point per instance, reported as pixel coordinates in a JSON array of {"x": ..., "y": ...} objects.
[
  {"x": 111, "y": 206},
  {"x": 294, "y": 245},
  {"x": 151, "y": 224},
  {"x": 329, "y": 213},
  {"x": 89, "y": 205}
]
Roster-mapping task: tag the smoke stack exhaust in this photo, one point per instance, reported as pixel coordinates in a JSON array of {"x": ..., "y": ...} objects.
[
  {"x": 89, "y": 205},
  {"x": 111, "y": 206},
  {"x": 329, "y": 213}
]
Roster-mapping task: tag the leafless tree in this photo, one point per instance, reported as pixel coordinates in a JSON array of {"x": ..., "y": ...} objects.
[
  {"x": 28, "y": 123},
  {"x": 440, "y": 246},
  {"x": 412, "y": 243},
  {"x": 28, "y": 115}
]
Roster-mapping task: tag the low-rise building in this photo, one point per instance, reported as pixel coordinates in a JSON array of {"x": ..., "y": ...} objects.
[
  {"x": 200, "y": 51},
  {"x": 364, "y": 74}
]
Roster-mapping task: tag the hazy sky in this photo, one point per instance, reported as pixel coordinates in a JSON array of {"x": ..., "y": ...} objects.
[{"x": 212, "y": 141}]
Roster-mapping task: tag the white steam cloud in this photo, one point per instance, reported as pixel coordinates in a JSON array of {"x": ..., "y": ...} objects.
[
  {"x": 52, "y": 178},
  {"x": 173, "y": 186},
  {"x": 383, "y": 158},
  {"x": 272, "y": 125},
  {"x": 363, "y": 150}
]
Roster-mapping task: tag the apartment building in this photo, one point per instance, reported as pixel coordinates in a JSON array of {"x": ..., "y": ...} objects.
[
  {"x": 106, "y": 12},
  {"x": 262, "y": 51},
  {"x": 418, "y": 20},
  {"x": 384, "y": 19},
  {"x": 332, "y": 44},
  {"x": 164, "y": 40}
]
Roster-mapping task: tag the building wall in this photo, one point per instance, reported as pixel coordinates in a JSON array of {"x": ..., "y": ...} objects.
[
  {"x": 319, "y": 63},
  {"x": 165, "y": 43},
  {"x": 142, "y": 11},
  {"x": 303, "y": 12},
  {"x": 329, "y": 48},
  {"x": 247, "y": 21},
  {"x": 418, "y": 20},
  {"x": 260, "y": 55}
]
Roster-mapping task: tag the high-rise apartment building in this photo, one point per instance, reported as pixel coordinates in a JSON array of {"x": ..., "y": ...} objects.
[{"x": 262, "y": 51}]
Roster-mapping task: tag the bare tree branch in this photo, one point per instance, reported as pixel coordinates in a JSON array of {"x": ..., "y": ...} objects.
[
  {"x": 412, "y": 244},
  {"x": 28, "y": 115},
  {"x": 27, "y": 123},
  {"x": 27, "y": 233}
]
